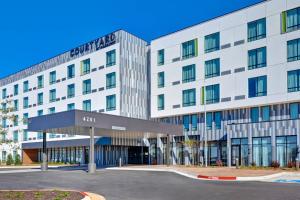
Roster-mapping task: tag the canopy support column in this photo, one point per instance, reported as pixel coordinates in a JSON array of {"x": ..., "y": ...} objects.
[
  {"x": 92, "y": 165},
  {"x": 44, "y": 165},
  {"x": 168, "y": 150}
]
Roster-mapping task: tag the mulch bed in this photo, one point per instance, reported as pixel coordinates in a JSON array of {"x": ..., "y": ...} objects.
[{"x": 40, "y": 195}]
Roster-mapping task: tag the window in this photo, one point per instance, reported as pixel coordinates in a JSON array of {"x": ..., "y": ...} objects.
[
  {"x": 40, "y": 98},
  {"x": 293, "y": 81},
  {"x": 4, "y": 107},
  {"x": 291, "y": 20},
  {"x": 71, "y": 91},
  {"x": 257, "y": 86},
  {"x": 52, "y": 77},
  {"x": 4, "y": 91},
  {"x": 161, "y": 102},
  {"x": 86, "y": 105},
  {"x": 25, "y": 86},
  {"x": 212, "y": 94},
  {"x": 16, "y": 89},
  {"x": 16, "y": 120},
  {"x": 25, "y": 102},
  {"x": 85, "y": 67},
  {"x": 257, "y": 58},
  {"x": 265, "y": 110},
  {"x": 293, "y": 50},
  {"x": 212, "y": 68},
  {"x": 254, "y": 113},
  {"x": 189, "y": 97},
  {"x": 257, "y": 30},
  {"x": 16, "y": 105},
  {"x": 39, "y": 112},
  {"x": 161, "y": 57},
  {"x": 52, "y": 95},
  {"x": 16, "y": 136},
  {"x": 25, "y": 135},
  {"x": 188, "y": 73},
  {"x": 4, "y": 124},
  {"x": 51, "y": 110},
  {"x": 25, "y": 118},
  {"x": 110, "y": 58},
  {"x": 186, "y": 122},
  {"x": 286, "y": 149},
  {"x": 212, "y": 42},
  {"x": 215, "y": 117},
  {"x": 194, "y": 119},
  {"x": 40, "y": 80},
  {"x": 71, "y": 71},
  {"x": 209, "y": 120},
  {"x": 161, "y": 79},
  {"x": 262, "y": 151},
  {"x": 86, "y": 86},
  {"x": 189, "y": 49},
  {"x": 111, "y": 102},
  {"x": 71, "y": 106},
  {"x": 294, "y": 111},
  {"x": 111, "y": 80}
]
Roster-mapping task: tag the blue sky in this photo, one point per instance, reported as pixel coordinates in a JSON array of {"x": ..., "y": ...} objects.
[{"x": 33, "y": 31}]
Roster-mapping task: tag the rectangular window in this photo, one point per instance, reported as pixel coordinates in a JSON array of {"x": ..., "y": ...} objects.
[
  {"x": 257, "y": 30},
  {"x": 212, "y": 42},
  {"x": 161, "y": 102},
  {"x": 194, "y": 119},
  {"x": 39, "y": 112},
  {"x": 188, "y": 73},
  {"x": 293, "y": 50},
  {"x": 71, "y": 71},
  {"x": 25, "y": 118},
  {"x": 254, "y": 113},
  {"x": 85, "y": 67},
  {"x": 212, "y": 94},
  {"x": 40, "y": 98},
  {"x": 110, "y": 58},
  {"x": 25, "y": 86},
  {"x": 40, "y": 81},
  {"x": 212, "y": 68},
  {"x": 51, "y": 110},
  {"x": 257, "y": 58},
  {"x": 186, "y": 122},
  {"x": 262, "y": 151},
  {"x": 52, "y": 77},
  {"x": 292, "y": 19},
  {"x": 52, "y": 95},
  {"x": 25, "y": 135},
  {"x": 161, "y": 57},
  {"x": 161, "y": 80},
  {"x": 86, "y": 86},
  {"x": 218, "y": 119},
  {"x": 286, "y": 149},
  {"x": 71, "y": 91},
  {"x": 189, "y": 97},
  {"x": 25, "y": 102},
  {"x": 209, "y": 120},
  {"x": 16, "y": 89},
  {"x": 86, "y": 105},
  {"x": 111, "y": 102},
  {"x": 111, "y": 80},
  {"x": 257, "y": 86},
  {"x": 265, "y": 113},
  {"x": 16, "y": 105},
  {"x": 189, "y": 49},
  {"x": 71, "y": 106},
  {"x": 16, "y": 120},
  {"x": 293, "y": 81},
  {"x": 4, "y": 91},
  {"x": 4, "y": 124},
  {"x": 294, "y": 111},
  {"x": 16, "y": 136}
]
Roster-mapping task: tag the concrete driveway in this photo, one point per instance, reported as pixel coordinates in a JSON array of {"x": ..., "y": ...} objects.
[{"x": 137, "y": 185}]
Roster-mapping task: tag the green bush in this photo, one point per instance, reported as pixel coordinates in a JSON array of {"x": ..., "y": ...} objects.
[
  {"x": 18, "y": 160},
  {"x": 9, "y": 160}
]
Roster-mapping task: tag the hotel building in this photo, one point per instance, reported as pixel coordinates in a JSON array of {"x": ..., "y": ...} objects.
[{"x": 232, "y": 82}]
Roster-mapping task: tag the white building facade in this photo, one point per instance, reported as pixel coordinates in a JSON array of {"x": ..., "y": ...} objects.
[{"x": 241, "y": 70}]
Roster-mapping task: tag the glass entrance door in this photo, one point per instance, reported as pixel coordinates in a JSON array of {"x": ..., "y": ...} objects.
[{"x": 235, "y": 154}]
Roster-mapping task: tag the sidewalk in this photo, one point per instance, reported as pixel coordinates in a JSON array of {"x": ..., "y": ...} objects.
[{"x": 218, "y": 173}]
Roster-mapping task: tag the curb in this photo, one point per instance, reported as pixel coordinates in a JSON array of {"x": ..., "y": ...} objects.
[
  {"x": 91, "y": 196},
  {"x": 217, "y": 178}
]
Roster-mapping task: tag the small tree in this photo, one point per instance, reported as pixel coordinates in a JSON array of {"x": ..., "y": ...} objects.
[
  {"x": 9, "y": 160},
  {"x": 18, "y": 160}
]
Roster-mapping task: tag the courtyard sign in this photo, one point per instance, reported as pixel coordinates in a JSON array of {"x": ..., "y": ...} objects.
[{"x": 97, "y": 44}]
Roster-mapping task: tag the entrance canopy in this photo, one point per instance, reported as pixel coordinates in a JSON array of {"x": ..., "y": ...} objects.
[{"x": 79, "y": 122}]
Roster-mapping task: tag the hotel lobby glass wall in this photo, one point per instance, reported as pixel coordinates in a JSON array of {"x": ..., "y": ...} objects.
[
  {"x": 240, "y": 151},
  {"x": 262, "y": 151},
  {"x": 286, "y": 149}
]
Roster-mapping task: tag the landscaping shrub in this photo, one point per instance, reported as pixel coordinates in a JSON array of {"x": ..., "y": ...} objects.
[
  {"x": 219, "y": 163},
  {"x": 275, "y": 164},
  {"x": 18, "y": 160},
  {"x": 9, "y": 160},
  {"x": 291, "y": 164},
  {"x": 253, "y": 164}
]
